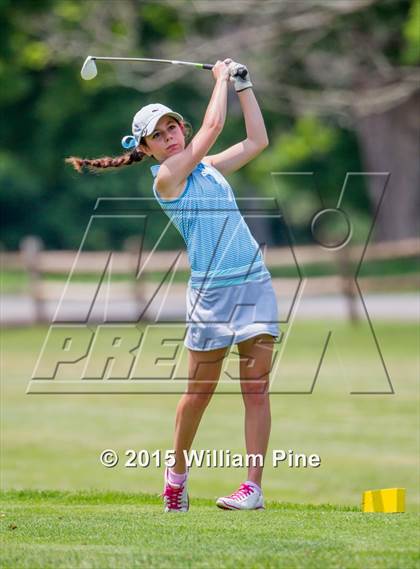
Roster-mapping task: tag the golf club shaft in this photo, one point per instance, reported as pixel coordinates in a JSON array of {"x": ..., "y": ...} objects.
[{"x": 241, "y": 72}]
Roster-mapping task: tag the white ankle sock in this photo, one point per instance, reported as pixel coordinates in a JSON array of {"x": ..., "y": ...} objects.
[
  {"x": 254, "y": 485},
  {"x": 175, "y": 478}
]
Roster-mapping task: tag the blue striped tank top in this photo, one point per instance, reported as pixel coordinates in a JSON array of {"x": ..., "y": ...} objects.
[{"x": 221, "y": 248}]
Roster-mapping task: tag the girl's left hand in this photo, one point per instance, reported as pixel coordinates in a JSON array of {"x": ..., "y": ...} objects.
[{"x": 240, "y": 83}]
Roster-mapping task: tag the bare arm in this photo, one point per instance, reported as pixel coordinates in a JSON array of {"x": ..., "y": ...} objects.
[
  {"x": 256, "y": 140},
  {"x": 177, "y": 168}
]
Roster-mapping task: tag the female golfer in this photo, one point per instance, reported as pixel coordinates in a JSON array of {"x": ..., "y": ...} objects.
[{"x": 230, "y": 298}]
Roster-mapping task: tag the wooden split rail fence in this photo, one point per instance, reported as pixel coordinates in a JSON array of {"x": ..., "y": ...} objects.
[{"x": 37, "y": 262}]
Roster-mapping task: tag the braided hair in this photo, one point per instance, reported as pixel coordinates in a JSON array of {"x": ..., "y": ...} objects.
[
  {"x": 126, "y": 159},
  {"x": 81, "y": 164}
]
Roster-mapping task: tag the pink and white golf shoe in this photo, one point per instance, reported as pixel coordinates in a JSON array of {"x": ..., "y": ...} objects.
[
  {"x": 175, "y": 496},
  {"x": 246, "y": 497}
]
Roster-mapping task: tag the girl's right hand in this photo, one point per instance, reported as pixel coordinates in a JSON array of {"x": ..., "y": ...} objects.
[{"x": 221, "y": 70}]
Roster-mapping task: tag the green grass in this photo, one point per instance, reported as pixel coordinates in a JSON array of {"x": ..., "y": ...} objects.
[
  {"x": 53, "y": 442},
  {"x": 118, "y": 530},
  {"x": 365, "y": 441}
]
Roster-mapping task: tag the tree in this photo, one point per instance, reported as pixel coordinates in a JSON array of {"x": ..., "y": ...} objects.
[
  {"x": 354, "y": 60},
  {"x": 325, "y": 72}
]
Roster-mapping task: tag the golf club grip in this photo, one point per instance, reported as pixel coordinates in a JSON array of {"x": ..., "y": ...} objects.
[{"x": 242, "y": 71}]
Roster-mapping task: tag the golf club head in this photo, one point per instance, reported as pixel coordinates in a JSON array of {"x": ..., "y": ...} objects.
[{"x": 89, "y": 69}]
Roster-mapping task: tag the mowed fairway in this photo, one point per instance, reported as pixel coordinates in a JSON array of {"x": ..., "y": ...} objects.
[
  {"x": 52, "y": 443},
  {"x": 58, "y": 530}
]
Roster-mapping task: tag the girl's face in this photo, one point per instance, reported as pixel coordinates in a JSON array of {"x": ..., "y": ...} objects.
[{"x": 166, "y": 140}]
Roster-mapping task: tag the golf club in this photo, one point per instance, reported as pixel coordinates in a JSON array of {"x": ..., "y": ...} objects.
[{"x": 89, "y": 69}]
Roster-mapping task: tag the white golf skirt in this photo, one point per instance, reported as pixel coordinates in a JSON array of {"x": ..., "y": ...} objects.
[{"x": 223, "y": 316}]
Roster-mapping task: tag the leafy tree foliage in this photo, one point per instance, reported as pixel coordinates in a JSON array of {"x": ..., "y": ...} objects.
[{"x": 49, "y": 112}]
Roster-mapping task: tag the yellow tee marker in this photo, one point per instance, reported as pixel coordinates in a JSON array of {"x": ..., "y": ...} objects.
[{"x": 388, "y": 500}]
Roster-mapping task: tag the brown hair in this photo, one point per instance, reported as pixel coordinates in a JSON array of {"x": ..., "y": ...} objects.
[{"x": 135, "y": 155}]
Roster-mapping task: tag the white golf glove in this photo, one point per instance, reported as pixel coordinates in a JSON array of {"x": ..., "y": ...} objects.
[{"x": 240, "y": 83}]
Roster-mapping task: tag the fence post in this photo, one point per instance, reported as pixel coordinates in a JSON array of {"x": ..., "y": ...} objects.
[
  {"x": 30, "y": 250},
  {"x": 348, "y": 285}
]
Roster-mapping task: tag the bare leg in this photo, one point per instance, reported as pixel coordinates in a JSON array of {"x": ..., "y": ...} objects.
[
  {"x": 203, "y": 372},
  {"x": 255, "y": 366}
]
